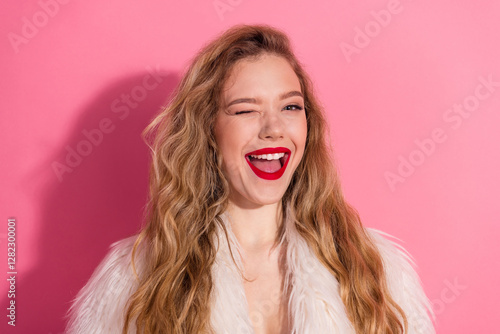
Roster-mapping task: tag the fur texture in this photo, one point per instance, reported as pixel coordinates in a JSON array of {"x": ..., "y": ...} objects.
[{"x": 314, "y": 301}]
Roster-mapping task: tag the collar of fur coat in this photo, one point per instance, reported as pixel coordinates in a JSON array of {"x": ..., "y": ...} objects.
[{"x": 315, "y": 306}]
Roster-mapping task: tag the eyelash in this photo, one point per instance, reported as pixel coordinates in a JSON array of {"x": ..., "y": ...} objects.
[{"x": 299, "y": 108}]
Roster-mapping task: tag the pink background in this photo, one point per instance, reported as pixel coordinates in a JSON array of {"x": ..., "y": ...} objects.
[{"x": 388, "y": 73}]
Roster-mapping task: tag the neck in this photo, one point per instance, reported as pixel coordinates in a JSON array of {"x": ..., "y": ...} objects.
[{"x": 255, "y": 228}]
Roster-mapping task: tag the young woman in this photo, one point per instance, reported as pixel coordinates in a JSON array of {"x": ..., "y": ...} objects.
[{"x": 248, "y": 230}]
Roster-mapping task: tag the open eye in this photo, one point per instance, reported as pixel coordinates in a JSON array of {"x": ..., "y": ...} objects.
[{"x": 293, "y": 107}]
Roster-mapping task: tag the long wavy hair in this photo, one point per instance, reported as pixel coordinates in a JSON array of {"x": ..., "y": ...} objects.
[{"x": 188, "y": 193}]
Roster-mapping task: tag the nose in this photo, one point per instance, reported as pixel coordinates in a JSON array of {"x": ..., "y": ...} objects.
[{"x": 272, "y": 126}]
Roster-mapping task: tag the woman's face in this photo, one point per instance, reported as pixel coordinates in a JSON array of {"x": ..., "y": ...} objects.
[{"x": 261, "y": 130}]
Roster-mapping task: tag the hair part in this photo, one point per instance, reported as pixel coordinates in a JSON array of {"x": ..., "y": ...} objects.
[{"x": 188, "y": 192}]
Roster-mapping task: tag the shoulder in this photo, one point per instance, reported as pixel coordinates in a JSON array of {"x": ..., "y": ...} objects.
[
  {"x": 99, "y": 307},
  {"x": 404, "y": 284}
]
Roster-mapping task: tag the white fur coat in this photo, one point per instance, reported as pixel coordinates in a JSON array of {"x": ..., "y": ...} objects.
[{"x": 314, "y": 304}]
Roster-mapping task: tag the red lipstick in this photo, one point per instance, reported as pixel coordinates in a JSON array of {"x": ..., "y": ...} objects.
[{"x": 269, "y": 150}]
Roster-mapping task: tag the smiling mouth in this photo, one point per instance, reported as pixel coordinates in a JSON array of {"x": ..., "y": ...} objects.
[{"x": 269, "y": 163}]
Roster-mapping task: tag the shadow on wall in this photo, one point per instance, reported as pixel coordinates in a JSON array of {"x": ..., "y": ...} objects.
[{"x": 94, "y": 196}]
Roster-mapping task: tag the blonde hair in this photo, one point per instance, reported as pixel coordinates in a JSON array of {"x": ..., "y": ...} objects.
[{"x": 188, "y": 193}]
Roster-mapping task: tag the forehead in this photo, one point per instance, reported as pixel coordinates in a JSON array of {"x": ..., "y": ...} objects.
[{"x": 265, "y": 74}]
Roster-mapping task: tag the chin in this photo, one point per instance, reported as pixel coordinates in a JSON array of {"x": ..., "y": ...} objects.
[
  {"x": 268, "y": 200},
  {"x": 257, "y": 195}
]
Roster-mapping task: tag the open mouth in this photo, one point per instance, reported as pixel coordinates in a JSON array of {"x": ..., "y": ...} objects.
[{"x": 269, "y": 163}]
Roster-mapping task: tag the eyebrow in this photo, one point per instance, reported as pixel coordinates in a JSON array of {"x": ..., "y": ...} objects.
[{"x": 252, "y": 100}]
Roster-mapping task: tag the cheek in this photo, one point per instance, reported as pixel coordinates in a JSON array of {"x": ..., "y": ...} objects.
[
  {"x": 229, "y": 154},
  {"x": 233, "y": 136},
  {"x": 300, "y": 134},
  {"x": 304, "y": 133},
  {"x": 230, "y": 144}
]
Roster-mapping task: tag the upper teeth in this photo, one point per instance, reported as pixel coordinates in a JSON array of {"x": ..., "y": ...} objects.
[{"x": 269, "y": 156}]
